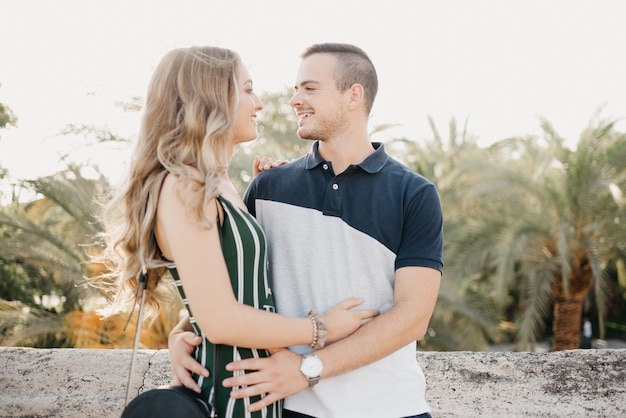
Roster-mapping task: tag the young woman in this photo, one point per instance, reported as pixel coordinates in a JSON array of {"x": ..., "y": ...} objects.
[{"x": 178, "y": 211}]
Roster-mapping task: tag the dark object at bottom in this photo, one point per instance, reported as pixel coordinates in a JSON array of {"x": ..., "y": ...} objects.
[{"x": 167, "y": 402}]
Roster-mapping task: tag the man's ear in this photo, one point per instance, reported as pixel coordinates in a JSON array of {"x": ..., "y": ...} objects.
[{"x": 356, "y": 96}]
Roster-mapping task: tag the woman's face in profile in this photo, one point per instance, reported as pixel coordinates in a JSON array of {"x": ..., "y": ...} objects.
[{"x": 245, "y": 128}]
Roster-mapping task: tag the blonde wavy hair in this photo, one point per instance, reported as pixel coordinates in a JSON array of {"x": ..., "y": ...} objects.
[{"x": 186, "y": 127}]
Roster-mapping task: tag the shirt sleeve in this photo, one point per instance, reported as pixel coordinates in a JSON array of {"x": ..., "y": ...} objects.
[
  {"x": 422, "y": 233},
  {"x": 249, "y": 196}
]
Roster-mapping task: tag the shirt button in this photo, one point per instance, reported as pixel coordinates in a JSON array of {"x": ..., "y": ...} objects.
[
  {"x": 335, "y": 186},
  {"x": 325, "y": 166}
]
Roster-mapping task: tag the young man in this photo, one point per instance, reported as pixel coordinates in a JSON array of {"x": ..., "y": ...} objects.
[{"x": 345, "y": 220}]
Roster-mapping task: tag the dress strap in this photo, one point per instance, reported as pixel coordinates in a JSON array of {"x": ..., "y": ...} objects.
[{"x": 219, "y": 222}]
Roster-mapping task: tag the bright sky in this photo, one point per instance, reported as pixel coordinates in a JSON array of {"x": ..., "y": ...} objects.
[{"x": 498, "y": 64}]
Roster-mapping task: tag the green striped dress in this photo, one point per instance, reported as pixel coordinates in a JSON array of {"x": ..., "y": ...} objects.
[{"x": 244, "y": 248}]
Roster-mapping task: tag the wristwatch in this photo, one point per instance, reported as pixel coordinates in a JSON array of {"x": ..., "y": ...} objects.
[{"x": 311, "y": 368}]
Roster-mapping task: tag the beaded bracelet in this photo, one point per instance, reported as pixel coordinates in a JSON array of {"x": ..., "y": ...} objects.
[{"x": 319, "y": 329}]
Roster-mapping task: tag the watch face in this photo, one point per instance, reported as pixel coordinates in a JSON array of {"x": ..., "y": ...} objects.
[{"x": 311, "y": 366}]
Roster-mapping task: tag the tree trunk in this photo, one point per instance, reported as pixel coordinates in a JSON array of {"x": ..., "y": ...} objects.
[
  {"x": 566, "y": 326},
  {"x": 568, "y": 306}
]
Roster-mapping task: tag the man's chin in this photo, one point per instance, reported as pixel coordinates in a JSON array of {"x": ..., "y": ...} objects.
[{"x": 303, "y": 134}]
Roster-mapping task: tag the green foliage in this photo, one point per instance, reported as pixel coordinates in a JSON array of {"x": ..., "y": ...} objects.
[
  {"x": 15, "y": 283},
  {"x": 7, "y": 117},
  {"x": 542, "y": 223},
  {"x": 43, "y": 246},
  {"x": 463, "y": 318},
  {"x": 49, "y": 236},
  {"x": 23, "y": 325},
  {"x": 277, "y": 128}
]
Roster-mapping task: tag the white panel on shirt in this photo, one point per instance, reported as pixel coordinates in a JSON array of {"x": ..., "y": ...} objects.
[{"x": 317, "y": 261}]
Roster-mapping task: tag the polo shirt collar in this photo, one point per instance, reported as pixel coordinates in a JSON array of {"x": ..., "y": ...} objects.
[{"x": 372, "y": 164}]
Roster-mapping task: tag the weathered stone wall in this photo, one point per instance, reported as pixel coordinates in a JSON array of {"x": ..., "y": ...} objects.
[{"x": 69, "y": 383}]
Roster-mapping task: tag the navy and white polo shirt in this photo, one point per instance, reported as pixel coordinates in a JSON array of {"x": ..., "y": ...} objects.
[{"x": 331, "y": 237}]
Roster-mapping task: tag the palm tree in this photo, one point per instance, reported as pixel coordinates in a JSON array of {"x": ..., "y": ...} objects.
[
  {"x": 48, "y": 234},
  {"x": 462, "y": 319},
  {"x": 46, "y": 247},
  {"x": 547, "y": 223},
  {"x": 44, "y": 250}
]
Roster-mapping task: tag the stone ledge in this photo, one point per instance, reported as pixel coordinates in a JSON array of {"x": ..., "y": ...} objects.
[{"x": 68, "y": 383}]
